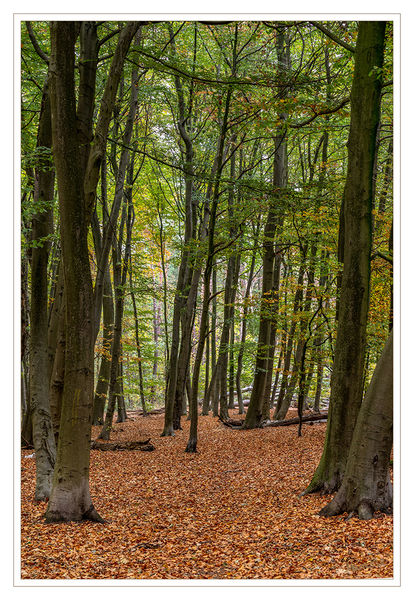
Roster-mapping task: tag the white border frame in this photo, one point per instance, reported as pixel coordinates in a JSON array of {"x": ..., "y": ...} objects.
[{"x": 324, "y": 16}]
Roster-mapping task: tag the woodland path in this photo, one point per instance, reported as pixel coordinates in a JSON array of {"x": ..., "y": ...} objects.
[{"x": 231, "y": 511}]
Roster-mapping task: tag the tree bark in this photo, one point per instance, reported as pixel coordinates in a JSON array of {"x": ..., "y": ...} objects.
[
  {"x": 101, "y": 390},
  {"x": 70, "y": 498},
  {"x": 43, "y": 438},
  {"x": 366, "y": 485}
]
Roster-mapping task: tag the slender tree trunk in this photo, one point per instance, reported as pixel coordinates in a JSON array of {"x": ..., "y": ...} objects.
[
  {"x": 138, "y": 344},
  {"x": 121, "y": 410},
  {"x": 270, "y": 279},
  {"x": 302, "y": 341},
  {"x": 281, "y": 410},
  {"x": 180, "y": 352},
  {"x": 43, "y": 439},
  {"x": 156, "y": 329},
  {"x": 120, "y": 266},
  {"x": 244, "y": 324},
  {"x": 205, "y": 407},
  {"x": 210, "y": 221},
  {"x": 101, "y": 390}
]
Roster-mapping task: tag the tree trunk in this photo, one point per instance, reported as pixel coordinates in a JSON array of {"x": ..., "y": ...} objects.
[
  {"x": 302, "y": 340},
  {"x": 138, "y": 344},
  {"x": 70, "y": 496},
  {"x": 347, "y": 375},
  {"x": 244, "y": 323},
  {"x": 43, "y": 438},
  {"x": 179, "y": 354},
  {"x": 209, "y": 221},
  {"x": 366, "y": 485},
  {"x": 205, "y": 407},
  {"x": 121, "y": 410},
  {"x": 120, "y": 267},
  {"x": 101, "y": 390},
  {"x": 271, "y": 271},
  {"x": 280, "y": 410}
]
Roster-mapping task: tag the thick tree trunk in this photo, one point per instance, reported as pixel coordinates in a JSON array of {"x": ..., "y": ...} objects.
[
  {"x": 56, "y": 320},
  {"x": 70, "y": 497},
  {"x": 366, "y": 485},
  {"x": 57, "y": 376},
  {"x": 347, "y": 376}
]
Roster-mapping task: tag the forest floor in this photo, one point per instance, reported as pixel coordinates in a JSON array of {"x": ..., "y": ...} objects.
[{"x": 231, "y": 511}]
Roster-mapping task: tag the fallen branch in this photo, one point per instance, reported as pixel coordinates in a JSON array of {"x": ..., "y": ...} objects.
[
  {"x": 153, "y": 411},
  {"x": 322, "y": 416},
  {"x": 142, "y": 445}
]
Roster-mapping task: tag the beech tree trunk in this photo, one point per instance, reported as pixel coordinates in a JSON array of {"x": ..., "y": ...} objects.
[
  {"x": 366, "y": 485},
  {"x": 43, "y": 438},
  {"x": 70, "y": 496},
  {"x": 348, "y": 368}
]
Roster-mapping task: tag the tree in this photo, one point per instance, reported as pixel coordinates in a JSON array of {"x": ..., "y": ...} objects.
[
  {"x": 43, "y": 438},
  {"x": 70, "y": 497},
  {"x": 348, "y": 369}
]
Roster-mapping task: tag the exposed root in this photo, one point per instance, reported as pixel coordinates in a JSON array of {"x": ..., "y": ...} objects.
[
  {"x": 92, "y": 515},
  {"x": 232, "y": 423},
  {"x": 59, "y": 517},
  {"x": 191, "y": 446}
]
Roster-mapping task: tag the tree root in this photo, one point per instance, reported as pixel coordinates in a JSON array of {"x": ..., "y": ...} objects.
[
  {"x": 191, "y": 446},
  {"x": 90, "y": 515}
]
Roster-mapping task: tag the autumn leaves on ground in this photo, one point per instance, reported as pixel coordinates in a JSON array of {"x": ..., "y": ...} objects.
[{"x": 231, "y": 511}]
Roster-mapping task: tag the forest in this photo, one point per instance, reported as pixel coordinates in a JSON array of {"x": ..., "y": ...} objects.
[{"x": 206, "y": 300}]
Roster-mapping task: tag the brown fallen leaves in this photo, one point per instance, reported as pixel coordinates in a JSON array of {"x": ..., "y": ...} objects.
[{"x": 231, "y": 511}]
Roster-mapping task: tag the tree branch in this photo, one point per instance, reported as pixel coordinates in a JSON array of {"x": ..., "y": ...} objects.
[{"x": 332, "y": 36}]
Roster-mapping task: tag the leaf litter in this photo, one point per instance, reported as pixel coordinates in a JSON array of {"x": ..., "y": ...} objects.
[{"x": 230, "y": 511}]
